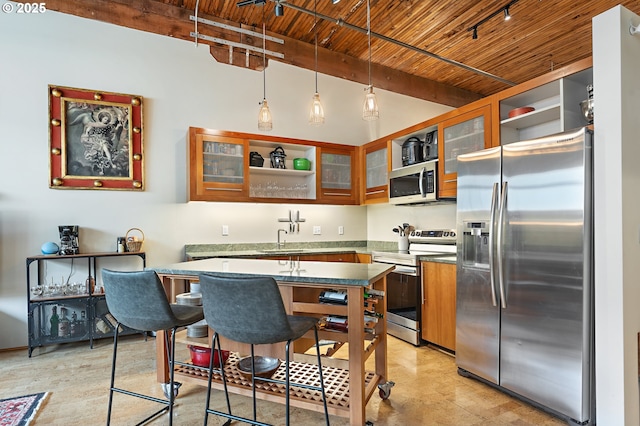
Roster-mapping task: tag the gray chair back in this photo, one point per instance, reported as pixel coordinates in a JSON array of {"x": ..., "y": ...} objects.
[
  {"x": 137, "y": 300},
  {"x": 246, "y": 310}
]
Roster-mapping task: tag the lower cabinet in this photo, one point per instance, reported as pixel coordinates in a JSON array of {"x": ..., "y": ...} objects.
[{"x": 439, "y": 304}]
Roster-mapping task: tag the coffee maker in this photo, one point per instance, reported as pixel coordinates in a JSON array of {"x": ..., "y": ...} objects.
[{"x": 68, "y": 239}]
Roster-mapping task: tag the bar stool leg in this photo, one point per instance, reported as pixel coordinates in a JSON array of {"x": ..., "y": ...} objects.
[
  {"x": 287, "y": 380},
  {"x": 324, "y": 396},
  {"x": 113, "y": 372},
  {"x": 215, "y": 347}
]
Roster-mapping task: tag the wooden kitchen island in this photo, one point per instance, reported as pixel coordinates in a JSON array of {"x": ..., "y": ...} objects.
[{"x": 349, "y": 386}]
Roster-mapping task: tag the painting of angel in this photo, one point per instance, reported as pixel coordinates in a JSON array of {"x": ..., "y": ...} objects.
[{"x": 97, "y": 139}]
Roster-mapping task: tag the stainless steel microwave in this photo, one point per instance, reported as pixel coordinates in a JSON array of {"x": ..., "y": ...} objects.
[{"x": 414, "y": 184}]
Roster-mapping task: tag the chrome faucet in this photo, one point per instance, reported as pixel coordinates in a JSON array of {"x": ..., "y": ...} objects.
[{"x": 280, "y": 244}]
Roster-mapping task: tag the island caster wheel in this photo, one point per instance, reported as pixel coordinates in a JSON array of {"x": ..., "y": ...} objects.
[
  {"x": 165, "y": 389},
  {"x": 368, "y": 423},
  {"x": 385, "y": 389}
]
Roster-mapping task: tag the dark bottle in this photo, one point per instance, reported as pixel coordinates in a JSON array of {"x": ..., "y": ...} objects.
[
  {"x": 74, "y": 328},
  {"x": 54, "y": 320},
  {"x": 83, "y": 322}
]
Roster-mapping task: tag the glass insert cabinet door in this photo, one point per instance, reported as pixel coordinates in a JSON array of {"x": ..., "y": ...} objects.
[
  {"x": 462, "y": 138},
  {"x": 377, "y": 169},
  {"x": 465, "y": 133},
  {"x": 336, "y": 171},
  {"x": 222, "y": 162},
  {"x": 218, "y": 167}
]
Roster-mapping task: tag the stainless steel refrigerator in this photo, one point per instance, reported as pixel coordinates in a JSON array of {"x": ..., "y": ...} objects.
[{"x": 525, "y": 271}]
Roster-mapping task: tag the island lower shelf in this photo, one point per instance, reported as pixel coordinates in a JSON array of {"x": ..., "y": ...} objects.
[{"x": 336, "y": 384}]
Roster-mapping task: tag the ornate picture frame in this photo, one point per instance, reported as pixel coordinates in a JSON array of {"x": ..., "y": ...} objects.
[{"x": 95, "y": 140}]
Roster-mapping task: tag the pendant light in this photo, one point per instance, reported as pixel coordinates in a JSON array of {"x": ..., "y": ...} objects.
[
  {"x": 370, "y": 106},
  {"x": 316, "y": 114},
  {"x": 265, "y": 122}
]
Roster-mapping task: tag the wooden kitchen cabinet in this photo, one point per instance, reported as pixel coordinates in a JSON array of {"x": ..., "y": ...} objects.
[
  {"x": 337, "y": 179},
  {"x": 376, "y": 164},
  {"x": 555, "y": 97},
  {"x": 439, "y": 304},
  {"x": 462, "y": 133},
  {"x": 218, "y": 169}
]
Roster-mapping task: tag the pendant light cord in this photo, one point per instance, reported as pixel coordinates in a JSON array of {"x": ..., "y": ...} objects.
[
  {"x": 264, "y": 58},
  {"x": 315, "y": 30},
  {"x": 369, "y": 36}
]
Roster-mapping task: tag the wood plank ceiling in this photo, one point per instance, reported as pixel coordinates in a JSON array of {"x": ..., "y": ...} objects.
[{"x": 408, "y": 37}]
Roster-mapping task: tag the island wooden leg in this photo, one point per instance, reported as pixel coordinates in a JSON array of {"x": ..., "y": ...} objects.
[
  {"x": 162, "y": 361},
  {"x": 381, "y": 350},
  {"x": 355, "y": 318}
]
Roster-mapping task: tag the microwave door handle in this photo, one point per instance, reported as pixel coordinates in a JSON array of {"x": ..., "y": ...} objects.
[
  {"x": 422, "y": 190},
  {"x": 492, "y": 275},
  {"x": 503, "y": 207}
]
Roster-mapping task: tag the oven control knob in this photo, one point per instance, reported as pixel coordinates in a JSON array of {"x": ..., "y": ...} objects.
[{"x": 452, "y": 234}]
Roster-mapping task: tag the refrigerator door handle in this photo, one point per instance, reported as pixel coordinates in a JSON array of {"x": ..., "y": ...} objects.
[
  {"x": 492, "y": 221},
  {"x": 499, "y": 253}
]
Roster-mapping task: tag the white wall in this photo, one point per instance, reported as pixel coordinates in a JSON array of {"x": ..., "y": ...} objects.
[
  {"x": 616, "y": 59},
  {"x": 182, "y": 86}
]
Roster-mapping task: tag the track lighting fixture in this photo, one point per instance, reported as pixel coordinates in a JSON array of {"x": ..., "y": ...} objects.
[
  {"x": 279, "y": 9},
  {"x": 335, "y": 1},
  {"x": 504, "y": 9}
]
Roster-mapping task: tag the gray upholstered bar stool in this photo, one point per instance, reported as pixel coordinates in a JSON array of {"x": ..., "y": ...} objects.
[
  {"x": 250, "y": 310},
  {"x": 137, "y": 300}
]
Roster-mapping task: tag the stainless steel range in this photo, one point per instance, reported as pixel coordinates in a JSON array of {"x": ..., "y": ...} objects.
[{"x": 404, "y": 284}]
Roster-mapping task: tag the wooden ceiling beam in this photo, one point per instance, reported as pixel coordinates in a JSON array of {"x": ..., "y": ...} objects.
[{"x": 160, "y": 18}]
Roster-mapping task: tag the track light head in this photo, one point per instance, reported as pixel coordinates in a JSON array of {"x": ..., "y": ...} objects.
[
  {"x": 279, "y": 9},
  {"x": 475, "y": 33},
  {"x": 335, "y": 1},
  {"x": 507, "y": 16}
]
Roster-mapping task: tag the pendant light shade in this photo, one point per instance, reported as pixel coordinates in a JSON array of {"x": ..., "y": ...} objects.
[
  {"x": 265, "y": 122},
  {"x": 316, "y": 113},
  {"x": 370, "y": 106}
]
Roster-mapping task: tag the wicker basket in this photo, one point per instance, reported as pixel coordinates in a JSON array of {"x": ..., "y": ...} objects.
[{"x": 134, "y": 246}]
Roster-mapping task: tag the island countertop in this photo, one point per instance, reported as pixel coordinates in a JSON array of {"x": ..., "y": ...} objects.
[{"x": 340, "y": 273}]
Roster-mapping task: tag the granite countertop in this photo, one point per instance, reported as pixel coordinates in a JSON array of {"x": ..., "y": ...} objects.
[
  {"x": 258, "y": 250},
  {"x": 205, "y": 251},
  {"x": 339, "y": 273},
  {"x": 448, "y": 258}
]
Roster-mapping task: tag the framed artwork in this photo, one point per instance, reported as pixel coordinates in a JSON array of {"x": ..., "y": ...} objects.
[{"x": 95, "y": 140}]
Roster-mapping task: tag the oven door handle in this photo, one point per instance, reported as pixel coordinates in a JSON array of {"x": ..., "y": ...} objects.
[{"x": 405, "y": 270}]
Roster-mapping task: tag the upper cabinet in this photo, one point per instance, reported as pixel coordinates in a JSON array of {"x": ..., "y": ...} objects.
[
  {"x": 337, "y": 178},
  {"x": 462, "y": 133},
  {"x": 217, "y": 167},
  {"x": 376, "y": 164},
  {"x": 236, "y": 167},
  {"x": 546, "y": 105}
]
